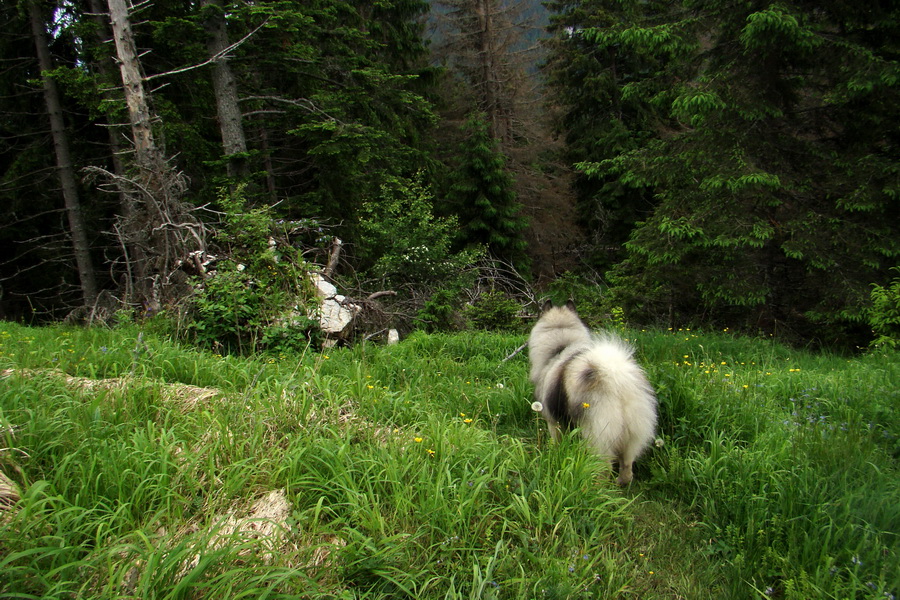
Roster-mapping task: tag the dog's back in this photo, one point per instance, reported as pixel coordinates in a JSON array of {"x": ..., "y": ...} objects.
[
  {"x": 592, "y": 382},
  {"x": 558, "y": 329}
]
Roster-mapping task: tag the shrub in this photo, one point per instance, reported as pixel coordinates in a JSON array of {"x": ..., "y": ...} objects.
[
  {"x": 884, "y": 315},
  {"x": 494, "y": 311},
  {"x": 412, "y": 245},
  {"x": 587, "y": 294},
  {"x": 244, "y": 305}
]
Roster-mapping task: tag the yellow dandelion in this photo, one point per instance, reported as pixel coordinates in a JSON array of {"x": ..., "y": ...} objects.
[
  {"x": 467, "y": 420},
  {"x": 417, "y": 440},
  {"x": 430, "y": 452},
  {"x": 371, "y": 387},
  {"x": 585, "y": 404}
]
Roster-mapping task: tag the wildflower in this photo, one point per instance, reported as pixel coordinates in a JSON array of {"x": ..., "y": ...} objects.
[
  {"x": 537, "y": 406},
  {"x": 585, "y": 404},
  {"x": 371, "y": 387},
  {"x": 430, "y": 452},
  {"x": 417, "y": 440},
  {"x": 467, "y": 420},
  {"x": 462, "y": 414},
  {"x": 499, "y": 386}
]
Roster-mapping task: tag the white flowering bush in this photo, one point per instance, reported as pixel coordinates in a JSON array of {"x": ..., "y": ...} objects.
[{"x": 411, "y": 244}]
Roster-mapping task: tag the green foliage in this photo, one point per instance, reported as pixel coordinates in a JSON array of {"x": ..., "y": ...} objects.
[
  {"x": 760, "y": 165},
  {"x": 494, "y": 311},
  {"x": 441, "y": 311},
  {"x": 245, "y": 304},
  {"x": 884, "y": 315},
  {"x": 407, "y": 243},
  {"x": 482, "y": 195},
  {"x": 587, "y": 293}
]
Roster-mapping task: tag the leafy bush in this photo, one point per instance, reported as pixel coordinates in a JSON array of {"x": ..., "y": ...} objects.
[
  {"x": 884, "y": 316},
  {"x": 441, "y": 311},
  {"x": 587, "y": 294},
  {"x": 244, "y": 304},
  {"x": 412, "y": 245},
  {"x": 494, "y": 311}
]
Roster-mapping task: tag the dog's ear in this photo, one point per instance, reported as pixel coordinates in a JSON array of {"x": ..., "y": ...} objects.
[
  {"x": 570, "y": 304},
  {"x": 547, "y": 305}
]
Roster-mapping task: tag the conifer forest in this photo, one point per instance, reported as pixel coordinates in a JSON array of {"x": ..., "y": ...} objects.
[{"x": 694, "y": 163}]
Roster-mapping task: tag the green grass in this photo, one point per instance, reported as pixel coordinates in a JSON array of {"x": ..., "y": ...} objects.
[{"x": 420, "y": 471}]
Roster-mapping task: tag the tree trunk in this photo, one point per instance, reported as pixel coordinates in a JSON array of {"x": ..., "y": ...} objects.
[
  {"x": 64, "y": 167},
  {"x": 147, "y": 152},
  {"x": 105, "y": 67},
  {"x": 489, "y": 76},
  {"x": 229, "y": 112},
  {"x": 158, "y": 232}
]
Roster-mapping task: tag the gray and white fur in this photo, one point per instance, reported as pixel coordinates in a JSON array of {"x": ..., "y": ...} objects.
[{"x": 592, "y": 382}]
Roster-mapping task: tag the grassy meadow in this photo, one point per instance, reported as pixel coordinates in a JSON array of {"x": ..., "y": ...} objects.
[{"x": 152, "y": 470}]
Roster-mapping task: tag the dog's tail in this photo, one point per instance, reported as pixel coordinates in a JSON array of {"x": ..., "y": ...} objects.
[{"x": 606, "y": 372}]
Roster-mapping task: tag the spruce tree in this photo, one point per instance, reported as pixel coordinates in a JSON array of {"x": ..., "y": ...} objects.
[
  {"x": 483, "y": 197},
  {"x": 769, "y": 141}
]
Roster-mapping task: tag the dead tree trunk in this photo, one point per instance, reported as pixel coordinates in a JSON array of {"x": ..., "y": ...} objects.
[
  {"x": 106, "y": 67},
  {"x": 64, "y": 167},
  {"x": 158, "y": 233}
]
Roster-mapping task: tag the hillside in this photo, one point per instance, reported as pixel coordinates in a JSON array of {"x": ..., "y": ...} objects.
[{"x": 152, "y": 470}]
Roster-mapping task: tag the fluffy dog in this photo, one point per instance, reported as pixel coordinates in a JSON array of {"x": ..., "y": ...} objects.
[{"x": 591, "y": 382}]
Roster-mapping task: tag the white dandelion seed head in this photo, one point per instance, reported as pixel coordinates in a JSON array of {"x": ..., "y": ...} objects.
[
  {"x": 537, "y": 406},
  {"x": 659, "y": 443},
  {"x": 499, "y": 386}
]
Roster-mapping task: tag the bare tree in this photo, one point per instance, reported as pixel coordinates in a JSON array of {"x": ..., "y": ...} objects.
[
  {"x": 483, "y": 41},
  {"x": 64, "y": 167},
  {"x": 158, "y": 231}
]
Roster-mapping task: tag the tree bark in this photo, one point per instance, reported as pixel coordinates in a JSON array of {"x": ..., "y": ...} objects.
[
  {"x": 105, "y": 67},
  {"x": 158, "y": 232},
  {"x": 64, "y": 167},
  {"x": 147, "y": 152},
  {"x": 234, "y": 141}
]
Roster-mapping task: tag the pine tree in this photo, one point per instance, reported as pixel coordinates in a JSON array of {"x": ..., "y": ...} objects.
[
  {"x": 483, "y": 197},
  {"x": 769, "y": 141}
]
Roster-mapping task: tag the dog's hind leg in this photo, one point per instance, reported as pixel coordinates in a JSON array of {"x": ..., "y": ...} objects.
[
  {"x": 626, "y": 457},
  {"x": 625, "y": 471}
]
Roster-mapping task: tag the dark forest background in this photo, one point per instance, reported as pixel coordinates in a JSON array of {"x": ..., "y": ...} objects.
[{"x": 711, "y": 163}]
